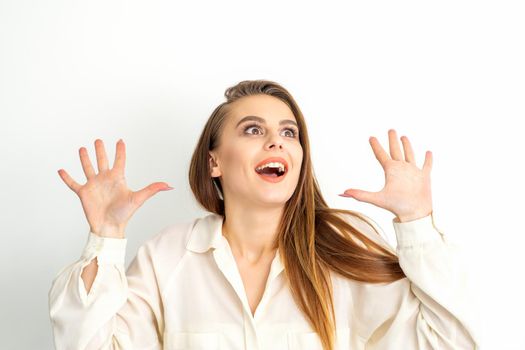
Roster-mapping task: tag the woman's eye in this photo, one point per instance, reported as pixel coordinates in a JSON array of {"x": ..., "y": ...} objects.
[
  {"x": 250, "y": 127},
  {"x": 292, "y": 132}
]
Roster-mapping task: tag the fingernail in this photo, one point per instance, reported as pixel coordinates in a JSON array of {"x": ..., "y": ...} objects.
[
  {"x": 167, "y": 188},
  {"x": 344, "y": 195}
]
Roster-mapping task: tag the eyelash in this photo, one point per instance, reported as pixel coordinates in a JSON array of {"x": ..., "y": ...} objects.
[{"x": 295, "y": 132}]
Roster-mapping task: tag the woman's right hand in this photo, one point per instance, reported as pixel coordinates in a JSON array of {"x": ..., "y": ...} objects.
[{"x": 107, "y": 201}]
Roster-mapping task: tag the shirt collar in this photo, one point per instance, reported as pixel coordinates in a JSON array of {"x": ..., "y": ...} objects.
[{"x": 206, "y": 233}]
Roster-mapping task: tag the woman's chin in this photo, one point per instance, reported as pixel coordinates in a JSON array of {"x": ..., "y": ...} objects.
[{"x": 277, "y": 198}]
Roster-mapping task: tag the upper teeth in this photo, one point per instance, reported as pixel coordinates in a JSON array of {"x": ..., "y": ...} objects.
[{"x": 272, "y": 165}]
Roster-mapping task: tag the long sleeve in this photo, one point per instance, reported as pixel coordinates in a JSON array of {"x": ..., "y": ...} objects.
[
  {"x": 432, "y": 308},
  {"x": 121, "y": 309}
]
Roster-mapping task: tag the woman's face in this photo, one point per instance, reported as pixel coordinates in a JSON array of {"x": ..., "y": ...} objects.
[{"x": 258, "y": 127}]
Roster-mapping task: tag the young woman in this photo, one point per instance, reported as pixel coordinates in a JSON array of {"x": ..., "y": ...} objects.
[{"x": 272, "y": 266}]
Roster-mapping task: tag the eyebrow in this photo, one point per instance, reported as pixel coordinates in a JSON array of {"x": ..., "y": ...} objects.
[{"x": 263, "y": 121}]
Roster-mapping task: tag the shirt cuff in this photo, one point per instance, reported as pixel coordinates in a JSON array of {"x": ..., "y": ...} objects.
[
  {"x": 416, "y": 232},
  {"x": 106, "y": 250}
]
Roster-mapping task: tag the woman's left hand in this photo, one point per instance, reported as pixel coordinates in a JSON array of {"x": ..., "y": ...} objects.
[{"x": 407, "y": 192}]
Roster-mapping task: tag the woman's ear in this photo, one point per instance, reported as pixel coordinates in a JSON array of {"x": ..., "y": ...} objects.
[{"x": 214, "y": 166}]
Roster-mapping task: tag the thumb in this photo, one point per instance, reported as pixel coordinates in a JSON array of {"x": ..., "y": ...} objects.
[
  {"x": 147, "y": 192},
  {"x": 360, "y": 195}
]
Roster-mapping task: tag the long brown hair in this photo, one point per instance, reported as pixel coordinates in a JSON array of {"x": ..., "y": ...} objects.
[{"x": 313, "y": 239}]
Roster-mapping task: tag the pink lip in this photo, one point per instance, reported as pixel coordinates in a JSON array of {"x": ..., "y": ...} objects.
[
  {"x": 269, "y": 160},
  {"x": 274, "y": 159}
]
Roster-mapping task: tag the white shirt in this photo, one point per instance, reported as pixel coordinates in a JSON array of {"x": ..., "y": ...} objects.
[{"x": 183, "y": 291}]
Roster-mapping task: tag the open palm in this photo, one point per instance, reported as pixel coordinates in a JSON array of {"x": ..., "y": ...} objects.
[
  {"x": 407, "y": 189},
  {"x": 107, "y": 201}
]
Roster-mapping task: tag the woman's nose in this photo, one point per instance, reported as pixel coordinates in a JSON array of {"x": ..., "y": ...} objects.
[{"x": 275, "y": 141}]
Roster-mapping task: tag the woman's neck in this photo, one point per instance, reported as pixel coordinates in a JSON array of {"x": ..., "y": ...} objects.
[{"x": 252, "y": 235}]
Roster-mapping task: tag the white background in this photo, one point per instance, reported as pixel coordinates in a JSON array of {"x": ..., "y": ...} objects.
[{"x": 450, "y": 75}]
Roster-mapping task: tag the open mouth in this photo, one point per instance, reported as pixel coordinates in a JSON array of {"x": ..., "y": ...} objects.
[{"x": 271, "y": 171}]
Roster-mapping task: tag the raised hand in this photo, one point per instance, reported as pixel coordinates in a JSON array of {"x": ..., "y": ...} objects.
[
  {"x": 107, "y": 201},
  {"x": 407, "y": 192}
]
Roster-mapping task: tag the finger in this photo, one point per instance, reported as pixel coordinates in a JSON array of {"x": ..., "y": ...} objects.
[
  {"x": 147, "y": 192},
  {"x": 427, "y": 166},
  {"x": 395, "y": 149},
  {"x": 69, "y": 181},
  {"x": 86, "y": 163},
  {"x": 379, "y": 152},
  {"x": 362, "y": 196},
  {"x": 409, "y": 152},
  {"x": 102, "y": 159},
  {"x": 120, "y": 156}
]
